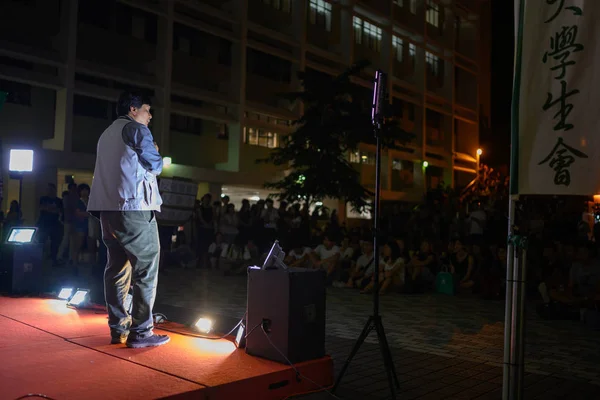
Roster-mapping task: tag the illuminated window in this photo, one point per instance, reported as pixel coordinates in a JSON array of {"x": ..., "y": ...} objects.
[
  {"x": 259, "y": 137},
  {"x": 432, "y": 15},
  {"x": 357, "y": 22},
  {"x": 433, "y": 63},
  {"x": 412, "y": 5},
  {"x": 320, "y": 13},
  {"x": 398, "y": 48},
  {"x": 358, "y": 157},
  {"x": 367, "y": 33},
  {"x": 412, "y": 52}
]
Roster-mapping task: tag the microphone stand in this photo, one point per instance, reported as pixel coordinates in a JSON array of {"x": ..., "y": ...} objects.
[{"x": 375, "y": 321}]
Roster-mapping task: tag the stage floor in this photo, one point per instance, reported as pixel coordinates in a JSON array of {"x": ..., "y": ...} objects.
[{"x": 49, "y": 349}]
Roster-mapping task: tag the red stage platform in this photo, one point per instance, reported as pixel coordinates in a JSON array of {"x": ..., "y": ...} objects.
[{"x": 47, "y": 348}]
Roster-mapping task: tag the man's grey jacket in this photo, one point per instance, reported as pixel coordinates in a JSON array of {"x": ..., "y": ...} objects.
[{"x": 127, "y": 164}]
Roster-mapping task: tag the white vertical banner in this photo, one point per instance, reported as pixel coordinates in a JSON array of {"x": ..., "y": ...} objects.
[{"x": 557, "y": 97}]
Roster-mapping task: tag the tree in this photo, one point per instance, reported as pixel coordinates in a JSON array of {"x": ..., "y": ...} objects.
[{"x": 335, "y": 121}]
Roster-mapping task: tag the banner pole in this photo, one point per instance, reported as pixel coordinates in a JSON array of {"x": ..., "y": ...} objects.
[
  {"x": 506, "y": 382},
  {"x": 511, "y": 343}
]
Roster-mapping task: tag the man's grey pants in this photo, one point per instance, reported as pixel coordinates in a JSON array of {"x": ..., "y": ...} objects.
[{"x": 131, "y": 238}]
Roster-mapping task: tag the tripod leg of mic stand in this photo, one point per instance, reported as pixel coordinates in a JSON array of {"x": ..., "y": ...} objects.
[
  {"x": 388, "y": 361},
  {"x": 387, "y": 352},
  {"x": 365, "y": 332}
]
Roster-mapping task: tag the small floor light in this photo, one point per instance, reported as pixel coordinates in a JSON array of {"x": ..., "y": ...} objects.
[
  {"x": 204, "y": 325},
  {"x": 240, "y": 337},
  {"x": 80, "y": 299},
  {"x": 65, "y": 293}
]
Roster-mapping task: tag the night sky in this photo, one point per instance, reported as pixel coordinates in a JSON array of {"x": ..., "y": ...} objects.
[{"x": 497, "y": 145}]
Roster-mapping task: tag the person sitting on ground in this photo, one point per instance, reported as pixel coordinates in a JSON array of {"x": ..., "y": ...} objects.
[
  {"x": 182, "y": 253},
  {"x": 298, "y": 257},
  {"x": 391, "y": 269},
  {"x": 493, "y": 279},
  {"x": 362, "y": 269},
  {"x": 236, "y": 258},
  {"x": 326, "y": 256},
  {"x": 584, "y": 280},
  {"x": 216, "y": 250},
  {"x": 462, "y": 265},
  {"x": 418, "y": 270},
  {"x": 553, "y": 272}
]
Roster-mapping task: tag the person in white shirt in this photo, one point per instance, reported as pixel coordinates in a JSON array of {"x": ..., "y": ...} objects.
[
  {"x": 269, "y": 216},
  {"x": 346, "y": 250},
  {"x": 298, "y": 257},
  {"x": 326, "y": 256},
  {"x": 363, "y": 268},
  {"x": 477, "y": 221},
  {"x": 216, "y": 250},
  {"x": 391, "y": 269},
  {"x": 236, "y": 257}
]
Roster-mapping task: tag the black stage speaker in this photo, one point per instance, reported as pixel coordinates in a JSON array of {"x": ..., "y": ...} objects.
[
  {"x": 290, "y": 305},
  {"x": 21, "y": 268}
]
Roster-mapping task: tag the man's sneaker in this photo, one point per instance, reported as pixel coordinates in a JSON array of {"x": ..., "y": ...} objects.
[
  {"x": 119, "y": 339},
  {"x": 150, "y": 341}
]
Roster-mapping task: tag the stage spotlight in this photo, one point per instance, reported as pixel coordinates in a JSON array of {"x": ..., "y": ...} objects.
[
  {"x": 65, "y": 293},
  {"x": 240, "y": 337},
  {"x": 80, "y": 299},
  {"x": 204, "y": 325}
]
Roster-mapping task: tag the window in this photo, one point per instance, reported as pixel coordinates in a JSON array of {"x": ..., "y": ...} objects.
[
  {"x": 259, "y": 137},
  {"x": 268, "y": 66},
  {"x": 412, "y": 53},
  {"x": 138, "y": 27},
  {"x": 18, "y": 93},
  {"x": 367, "y": 158},
  {"x": 224, "y": 57},
  {"x": 281, "y": 5},
  {"x": 357, "y": 23},
  {"x": 367, "y": 34},
  {"x": 411, "y": 112},
  {"x": 457, "y": 24},
  {"x": 412, "y": 5},
  {"x": 358, "y": 157},
  {"x": 397, "y": 108},
  {"x": 432, "y": 15},
  {"x": 402, "y": 174},
  {"x": 433, "y": 63},
  {"x": 319, "y": 13},
  {"x": 222, "y": 131},
  {"x": 185, "y": 124},
  {"x": 398, "y": 48},
  {"x": 182, "y": 44},
  {"x": 90, "y": 107}
]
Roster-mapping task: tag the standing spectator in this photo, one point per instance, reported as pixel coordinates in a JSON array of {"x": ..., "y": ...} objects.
[
  {"x": 70, "y": 204},
  {"x": 229, "y": 224},
  {"x": 14, "y": 217},
  {"x": 205, "y": 224},
  {"x": 49, "y": 227}
]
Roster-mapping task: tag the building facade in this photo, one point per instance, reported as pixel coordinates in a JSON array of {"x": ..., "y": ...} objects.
[{"x": 214, "y": 69}]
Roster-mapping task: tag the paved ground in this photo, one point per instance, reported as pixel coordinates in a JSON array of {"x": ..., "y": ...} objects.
[{"x": 444, "y": 347}]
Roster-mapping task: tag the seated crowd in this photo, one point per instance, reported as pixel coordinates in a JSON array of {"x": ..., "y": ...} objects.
[{"x": 563, "y": 277}]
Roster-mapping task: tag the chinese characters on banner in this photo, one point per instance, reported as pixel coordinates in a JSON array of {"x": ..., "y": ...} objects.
[{"x": 558, "y": 124}]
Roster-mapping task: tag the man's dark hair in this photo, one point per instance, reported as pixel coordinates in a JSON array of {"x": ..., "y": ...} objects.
[
  {"x": 131, "y": 99},
  {"x": 72, "y": 185},
  {"x": 83, "y": 186}
]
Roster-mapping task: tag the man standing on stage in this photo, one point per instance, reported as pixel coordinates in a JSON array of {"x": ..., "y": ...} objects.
[{"x": 125, "y": 197}]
